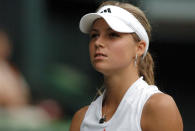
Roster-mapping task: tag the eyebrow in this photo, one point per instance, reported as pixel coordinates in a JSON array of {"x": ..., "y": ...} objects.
[
  {"x": 96, "y": 30},
  {"x": 109, "y": 29}
]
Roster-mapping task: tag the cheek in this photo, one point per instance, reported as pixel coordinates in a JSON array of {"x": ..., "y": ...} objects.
[
  {"x": 91, "y": 51},
  {"x": 122, "y": 53}
]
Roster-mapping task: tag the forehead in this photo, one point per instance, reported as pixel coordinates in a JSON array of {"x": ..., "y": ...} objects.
[{"x": 100, "y": 24}]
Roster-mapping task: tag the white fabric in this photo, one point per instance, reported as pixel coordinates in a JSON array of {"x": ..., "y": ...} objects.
[
  {"x": 128, "y": 114},
  {"x": 118, "y": 19}
]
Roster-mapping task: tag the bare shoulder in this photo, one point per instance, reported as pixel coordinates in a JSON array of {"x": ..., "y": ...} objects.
[
  {"x": 77, "y": 119},
  {"x": 161, "y": 113}
]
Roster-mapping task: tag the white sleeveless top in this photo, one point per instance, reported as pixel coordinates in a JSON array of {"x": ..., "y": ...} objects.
[{"x": 127, "y": 117}]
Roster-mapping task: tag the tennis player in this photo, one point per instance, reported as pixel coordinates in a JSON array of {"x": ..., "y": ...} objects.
[{"x": 119, "y": 41}]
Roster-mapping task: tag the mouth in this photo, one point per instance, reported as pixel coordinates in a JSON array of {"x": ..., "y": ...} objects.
[{"x": 100, "y": 55}]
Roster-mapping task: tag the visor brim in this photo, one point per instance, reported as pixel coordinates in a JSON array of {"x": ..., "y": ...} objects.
[{"x": 114, "y": 23}]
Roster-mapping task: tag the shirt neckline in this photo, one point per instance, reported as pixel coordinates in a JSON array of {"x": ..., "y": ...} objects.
[{"x": 129, "y": 91}]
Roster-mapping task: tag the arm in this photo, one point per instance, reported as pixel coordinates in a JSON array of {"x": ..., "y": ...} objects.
[
  {"x": 77, "y": 119},
  {"x": 160, "y": 113}
]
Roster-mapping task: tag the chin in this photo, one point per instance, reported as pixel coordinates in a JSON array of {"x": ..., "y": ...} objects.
[
  {"x": 100, "y": 68},
  {"x": 103, "y": 70}
]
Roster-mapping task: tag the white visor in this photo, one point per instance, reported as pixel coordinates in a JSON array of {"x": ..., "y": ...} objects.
[{"x": 118, "y": 19}]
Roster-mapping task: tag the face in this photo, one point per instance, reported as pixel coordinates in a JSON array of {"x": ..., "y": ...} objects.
[{"x": 110, "y": 51}]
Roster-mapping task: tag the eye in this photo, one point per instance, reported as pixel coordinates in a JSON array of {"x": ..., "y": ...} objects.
[
  {"x": 114, "y": 34},
  {"x": 93, "y": 35}
]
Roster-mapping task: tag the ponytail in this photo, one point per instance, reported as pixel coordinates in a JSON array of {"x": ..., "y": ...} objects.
[{"x": 146, "y": 69}]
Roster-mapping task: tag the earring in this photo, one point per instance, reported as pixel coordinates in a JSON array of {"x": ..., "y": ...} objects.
[{"x": 135, "y": 63}]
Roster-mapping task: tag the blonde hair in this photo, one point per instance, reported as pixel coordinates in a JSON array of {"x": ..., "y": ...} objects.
[{"x": 146, "y": 65}]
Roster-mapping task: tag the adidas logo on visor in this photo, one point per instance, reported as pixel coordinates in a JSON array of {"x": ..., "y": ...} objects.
[{"x": 108, "y": 10}]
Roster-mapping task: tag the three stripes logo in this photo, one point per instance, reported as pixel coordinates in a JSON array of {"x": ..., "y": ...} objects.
[{"x": 108, "y": 10}]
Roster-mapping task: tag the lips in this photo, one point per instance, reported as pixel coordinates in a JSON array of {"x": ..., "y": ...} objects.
[{"x": 99, "y": 55}]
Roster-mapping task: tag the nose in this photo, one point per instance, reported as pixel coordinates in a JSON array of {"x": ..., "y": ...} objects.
[{"x": 99, "y": 43}]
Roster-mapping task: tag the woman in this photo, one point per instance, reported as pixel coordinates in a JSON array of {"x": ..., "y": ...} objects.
[{"x": 118, "y": 49}]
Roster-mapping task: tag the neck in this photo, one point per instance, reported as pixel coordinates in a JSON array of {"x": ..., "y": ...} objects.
[{"x": 117, "y": 84}]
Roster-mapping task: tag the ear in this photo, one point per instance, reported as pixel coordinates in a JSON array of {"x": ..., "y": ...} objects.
[{"x": 140, "y": 49}]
